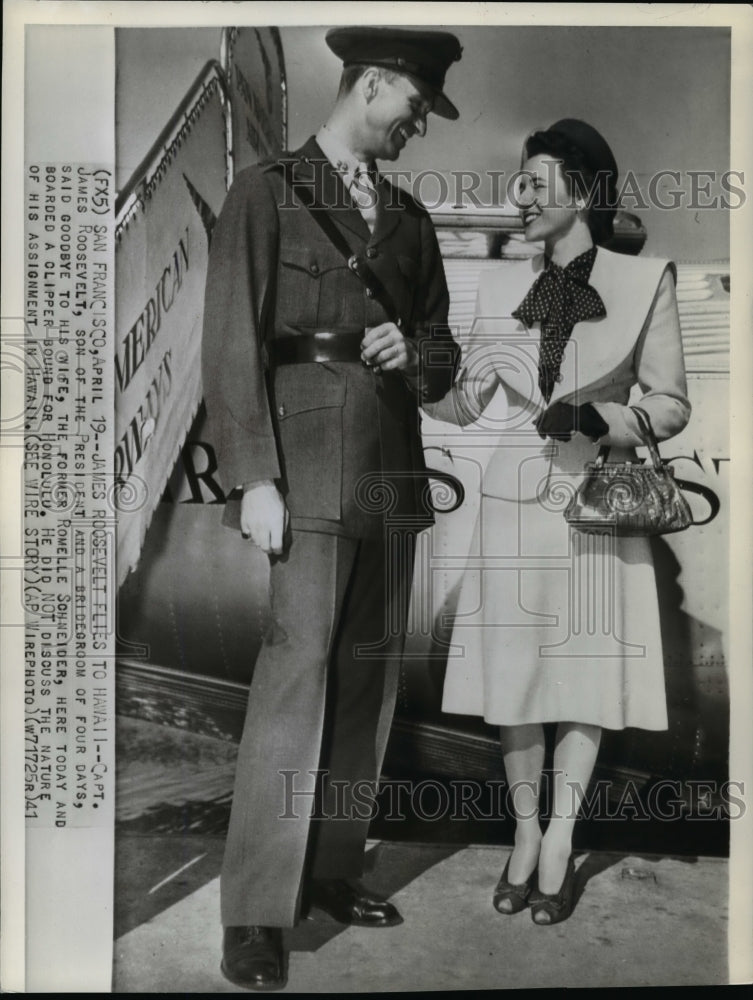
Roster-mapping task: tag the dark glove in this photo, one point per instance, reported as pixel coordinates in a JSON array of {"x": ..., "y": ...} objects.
[{"x": 561, "y": 420}]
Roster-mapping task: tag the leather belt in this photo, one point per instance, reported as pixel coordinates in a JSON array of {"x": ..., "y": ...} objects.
[{"x": 305, "y": 348}]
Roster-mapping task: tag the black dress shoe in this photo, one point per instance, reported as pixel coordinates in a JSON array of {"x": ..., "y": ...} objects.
[
  {"x": 252, "y": 957},
  {"x": 553, "y": 908},
  {"x": 351, "y": 905},
  {"x": 513, "y": 893}
]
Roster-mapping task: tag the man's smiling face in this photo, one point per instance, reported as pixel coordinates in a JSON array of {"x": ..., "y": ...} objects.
[{"x": 397, "y": 111}]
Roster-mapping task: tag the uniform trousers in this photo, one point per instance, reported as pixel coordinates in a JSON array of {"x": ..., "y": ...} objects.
[{"x": 318, "y": 718}]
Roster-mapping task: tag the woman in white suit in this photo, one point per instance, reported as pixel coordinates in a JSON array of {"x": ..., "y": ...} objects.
[{"x": 565, "y": 626}]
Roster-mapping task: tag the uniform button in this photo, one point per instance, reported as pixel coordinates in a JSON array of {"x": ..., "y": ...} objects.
[
  {"x": 369, "y": 294},
  {"x": 372, "y": 252},
  {"x": 281, "y": 410},
  {"x": 315, "y": 269}
]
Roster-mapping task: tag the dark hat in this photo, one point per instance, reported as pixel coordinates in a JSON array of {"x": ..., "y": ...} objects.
[
  {"x": 424, "y": 54},
  {"x": 591, "y": 143}
]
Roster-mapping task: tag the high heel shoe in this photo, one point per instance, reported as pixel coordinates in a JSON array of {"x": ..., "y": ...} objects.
[
  {"x": 556, "y": 906},
  {"x": 516, "y": 893}
]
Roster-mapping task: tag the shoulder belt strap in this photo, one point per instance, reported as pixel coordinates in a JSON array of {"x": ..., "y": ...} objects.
[{"x": 357, "y": 264}]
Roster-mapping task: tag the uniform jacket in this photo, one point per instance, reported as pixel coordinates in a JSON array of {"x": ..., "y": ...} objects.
[
  {"x": 638, "y": 343},
  {"x": 318, "y": 429}
]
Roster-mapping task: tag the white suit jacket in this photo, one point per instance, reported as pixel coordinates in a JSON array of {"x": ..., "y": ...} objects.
[{"x": 638, "y": 343}]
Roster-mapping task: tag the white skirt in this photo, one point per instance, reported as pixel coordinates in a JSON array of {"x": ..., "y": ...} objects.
[{"x": 554, "y": 625}]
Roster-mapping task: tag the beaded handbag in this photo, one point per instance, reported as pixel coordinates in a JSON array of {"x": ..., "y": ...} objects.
[{"x": 635, "y": 499}]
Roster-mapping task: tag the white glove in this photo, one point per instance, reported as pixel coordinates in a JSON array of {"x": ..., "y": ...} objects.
[{"x": 264, "y": 516}]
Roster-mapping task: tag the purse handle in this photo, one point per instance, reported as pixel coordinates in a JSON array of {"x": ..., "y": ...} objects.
[
  {"x": 649, "y": 438},
  {"x": 647, "y": 430},
  {"x": 644, "y": 422}
]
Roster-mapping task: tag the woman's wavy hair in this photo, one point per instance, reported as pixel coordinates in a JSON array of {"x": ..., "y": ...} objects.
[{"x": 597, "y": 187}]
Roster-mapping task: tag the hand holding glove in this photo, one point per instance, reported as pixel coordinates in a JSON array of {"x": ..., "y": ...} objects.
[
  {"x": 560, "y": 420},
  {"x": 264, "y": 516}
]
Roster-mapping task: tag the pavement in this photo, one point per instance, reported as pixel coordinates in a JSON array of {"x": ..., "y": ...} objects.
[{"x": 640, "y": 920}]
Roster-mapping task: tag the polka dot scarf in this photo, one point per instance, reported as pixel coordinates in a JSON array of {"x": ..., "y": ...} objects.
[{"x": 558, "y": 299}]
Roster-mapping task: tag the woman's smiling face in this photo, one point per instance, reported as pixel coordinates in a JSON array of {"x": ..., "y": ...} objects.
[{"x": 544, "y": 199}]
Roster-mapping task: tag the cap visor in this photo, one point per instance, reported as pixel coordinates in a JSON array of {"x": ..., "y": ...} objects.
[{"x": 445, "y": 108}]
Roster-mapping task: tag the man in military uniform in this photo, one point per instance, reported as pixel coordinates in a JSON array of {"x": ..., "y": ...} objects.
[{"x": 320, "y": 341}]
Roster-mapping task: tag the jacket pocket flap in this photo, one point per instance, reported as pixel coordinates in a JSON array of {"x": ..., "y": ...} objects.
[
  {"x": 315, "y": 258},
  {"x": 303, "y": 387}
]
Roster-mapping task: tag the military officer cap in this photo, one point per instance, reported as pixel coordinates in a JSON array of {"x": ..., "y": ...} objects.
[{"x": 425, "y": 55}]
